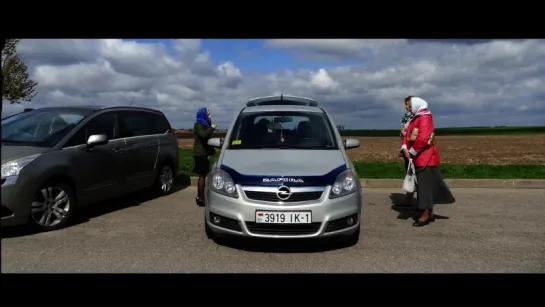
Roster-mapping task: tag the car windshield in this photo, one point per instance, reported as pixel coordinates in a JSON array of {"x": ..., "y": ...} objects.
[
  {"x": 282, "y": 130},
  {"x": 42, "y": 128}
]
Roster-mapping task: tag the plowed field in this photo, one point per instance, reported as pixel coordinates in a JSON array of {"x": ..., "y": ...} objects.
[{"x": 503, "y": 149}]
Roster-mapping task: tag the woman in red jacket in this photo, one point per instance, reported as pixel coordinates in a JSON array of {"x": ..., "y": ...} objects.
[{"x": 419, "y": 145}]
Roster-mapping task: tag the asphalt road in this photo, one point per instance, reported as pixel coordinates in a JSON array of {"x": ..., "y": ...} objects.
[{"x": 489, "y": 230}]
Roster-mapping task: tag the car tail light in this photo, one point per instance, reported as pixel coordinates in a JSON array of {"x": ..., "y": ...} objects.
[{"x": 171, "y": 131}]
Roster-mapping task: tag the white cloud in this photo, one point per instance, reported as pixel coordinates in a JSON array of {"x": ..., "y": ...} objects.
[
  {"x": 321, "y": 82},
  {"x": 475, "y": 82},
  {"x": 229, "y": 74}
]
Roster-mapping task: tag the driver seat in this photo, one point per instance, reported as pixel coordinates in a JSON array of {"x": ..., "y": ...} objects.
[{"x": 304, "y": 130}]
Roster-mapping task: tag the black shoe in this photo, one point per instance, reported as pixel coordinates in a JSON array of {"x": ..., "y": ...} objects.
[
  {"x": 199, "y": 202},
  {"x": 419, "y": 223}
]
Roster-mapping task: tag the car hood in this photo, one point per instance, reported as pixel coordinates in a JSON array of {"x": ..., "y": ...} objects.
[
  {"x": 10, "y": 153},
  {"x": 273, "y": 167}
]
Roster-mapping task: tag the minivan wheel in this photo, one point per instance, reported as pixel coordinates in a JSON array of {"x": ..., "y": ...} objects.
[
  {"x": 52, "y": 206},
  {"x": 165, "y": 179}
]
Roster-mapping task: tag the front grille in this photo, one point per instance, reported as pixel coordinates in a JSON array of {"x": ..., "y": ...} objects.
[
  {"x": 340, "y": 224},
  {"x": 295, "y": 197},
  {"x": 283, "y": 229},
  {"x": 226, "y": 222}
]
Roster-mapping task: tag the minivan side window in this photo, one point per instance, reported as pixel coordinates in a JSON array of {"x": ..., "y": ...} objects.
[
  {"x": 159, "y": 122},
  {"x": 133, "y": 124},
  {"x": 102, "y": 124},
  {"x": 77, "y": 139}
]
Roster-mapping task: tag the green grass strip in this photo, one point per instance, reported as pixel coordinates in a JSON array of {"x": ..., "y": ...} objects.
[{"x": 386, "y": 170}]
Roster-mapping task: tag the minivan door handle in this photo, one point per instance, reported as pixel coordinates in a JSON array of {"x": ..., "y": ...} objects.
[
  {"x": 153, "y": 145},
  {"x": 119, "y": 150}
]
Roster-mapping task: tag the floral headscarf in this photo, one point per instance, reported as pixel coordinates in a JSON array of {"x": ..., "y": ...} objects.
[
  {"x": 405, "y": 121},
  {"x": 406, "y": 118}
]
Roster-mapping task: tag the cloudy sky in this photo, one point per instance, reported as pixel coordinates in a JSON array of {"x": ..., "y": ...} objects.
[{"x": 361, "y": 82}]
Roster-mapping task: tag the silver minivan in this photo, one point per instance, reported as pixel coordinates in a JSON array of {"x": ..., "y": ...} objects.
[
  {"x": 55, "y": 160},
  {"x": 283, "y": 173}
]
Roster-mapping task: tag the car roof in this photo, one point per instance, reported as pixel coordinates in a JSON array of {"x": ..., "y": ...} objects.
[
  {"x": 288, "y": 108},
  {"x": 281, "y": 100},
  {"x": 94, "y": 108}
]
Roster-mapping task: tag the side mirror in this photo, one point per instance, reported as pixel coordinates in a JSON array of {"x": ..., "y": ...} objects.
[
  {"x": 96, "y": 140},
  {"x": 215, "y": 142},
  {"x": 351, "y": 143}
]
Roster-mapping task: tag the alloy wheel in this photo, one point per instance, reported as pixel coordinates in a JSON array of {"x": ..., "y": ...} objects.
[
  {"x": 50, "y": 207},
  {"x": 166, "y": 179}
]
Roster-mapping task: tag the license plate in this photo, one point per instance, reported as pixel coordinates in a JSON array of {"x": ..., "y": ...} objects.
[{"x": 282, "y": 217}]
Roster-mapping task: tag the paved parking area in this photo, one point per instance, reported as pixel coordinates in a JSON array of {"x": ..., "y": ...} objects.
[{"x": 488, "y": 231}]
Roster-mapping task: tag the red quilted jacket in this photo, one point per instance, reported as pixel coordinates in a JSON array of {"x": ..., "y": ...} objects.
[{"x": 421, "y": 142}]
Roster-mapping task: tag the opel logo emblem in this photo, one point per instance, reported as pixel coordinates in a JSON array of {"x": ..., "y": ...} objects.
[{"x": 283, "y": 192}]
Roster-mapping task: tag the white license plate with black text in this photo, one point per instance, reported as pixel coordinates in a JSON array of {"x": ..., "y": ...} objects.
[{"x": 283, "y": 217}]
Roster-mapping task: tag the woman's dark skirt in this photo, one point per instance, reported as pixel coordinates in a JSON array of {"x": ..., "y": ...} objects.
[
  {"x": 431, "y": 188},
  {"x": 202, "y": 165}
]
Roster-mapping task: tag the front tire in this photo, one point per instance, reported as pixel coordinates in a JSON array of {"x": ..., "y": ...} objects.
[{"x": 52, "y": 207}]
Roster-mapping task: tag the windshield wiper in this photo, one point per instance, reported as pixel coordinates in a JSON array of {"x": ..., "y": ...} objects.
[
  {"x": 13, "y": 141},
  {"x": 305, "y": 147},
  {"x": 291, "y": 147},
  {"x": 271, "y": 147},
  {"x": 286, "y": 146},
  {"x": 29, "y": 143},
  {"x": 311, "y": 147}
]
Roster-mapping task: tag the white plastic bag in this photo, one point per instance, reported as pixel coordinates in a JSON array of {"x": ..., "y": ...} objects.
[{"x": 409, "y": 184}]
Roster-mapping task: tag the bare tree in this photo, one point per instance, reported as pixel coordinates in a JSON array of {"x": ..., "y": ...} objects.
[{"x": 17, "y": 85}]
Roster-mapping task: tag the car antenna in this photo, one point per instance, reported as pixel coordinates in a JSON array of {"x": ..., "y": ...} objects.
[
  {"x": 132, "y": 100},
  {"x": 281, "y": 97}
]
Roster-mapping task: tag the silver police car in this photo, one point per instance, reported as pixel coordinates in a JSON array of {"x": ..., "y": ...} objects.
[{"x": 283, "y": 173}]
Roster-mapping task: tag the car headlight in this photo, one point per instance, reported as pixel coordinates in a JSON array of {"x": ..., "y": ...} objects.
[
  {"x": 344, "y": 184},
  {"x": 14, "y": 167},
  {"x": 223, "y": 183}
]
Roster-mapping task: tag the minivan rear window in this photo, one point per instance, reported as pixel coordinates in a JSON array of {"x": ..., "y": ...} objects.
[{"x": 160, "y": 123}]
